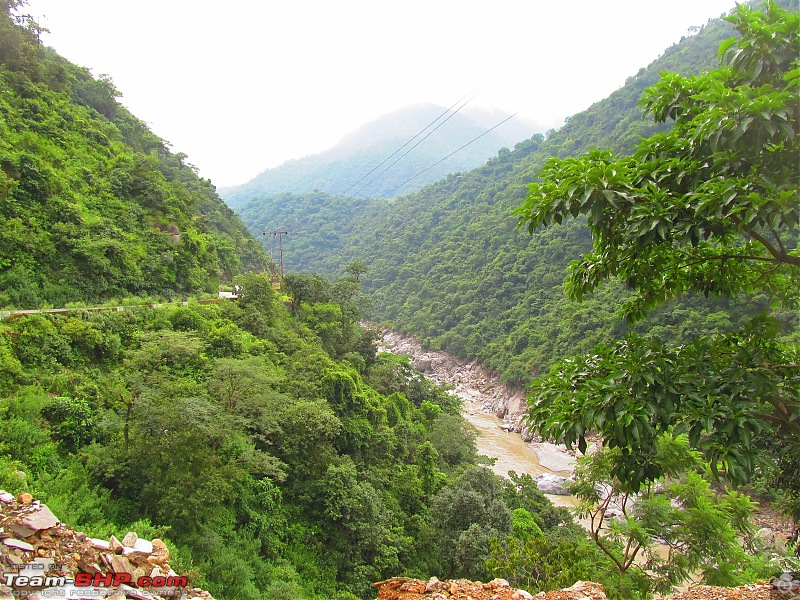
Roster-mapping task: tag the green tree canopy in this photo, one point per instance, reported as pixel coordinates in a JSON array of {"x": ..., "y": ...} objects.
[{"x": 711, "y": 207}]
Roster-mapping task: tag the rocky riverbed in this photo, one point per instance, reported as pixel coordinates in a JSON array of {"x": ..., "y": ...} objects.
[{"x": 497, "y": 411}]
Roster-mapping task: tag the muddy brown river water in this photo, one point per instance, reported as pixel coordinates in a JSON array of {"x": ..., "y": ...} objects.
[{"x": 508, "y": 448}]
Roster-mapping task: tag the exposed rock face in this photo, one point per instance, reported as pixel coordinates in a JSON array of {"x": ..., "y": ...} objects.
[
  {"x": 41, "y": 558},
  {"x": 468, "y": 377}
]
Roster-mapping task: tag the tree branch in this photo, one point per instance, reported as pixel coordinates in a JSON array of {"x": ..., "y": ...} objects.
[{"x": 781, "y": 257}]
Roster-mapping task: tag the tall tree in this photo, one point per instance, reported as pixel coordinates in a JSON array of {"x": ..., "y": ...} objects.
[{"x": 709, "y": 207}]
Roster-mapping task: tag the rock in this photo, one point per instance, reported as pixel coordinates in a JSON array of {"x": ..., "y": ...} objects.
[
  {"x": 433, "y": 584},
  {"x": 19, "y": 544},
  {"x": 12, "y": 560},
  {"x": 87, "y": 566},
  {"x": 766, "y": 535},
  {"x": 99, "y": 544},
  {"x": 143, "y": 546},
  {"x": 553, "y": 484},
  {"x": 423, "y": 365},
  {"x": 160, "y": 553},
  {"x": 6, "y": 497},
  {"x": 38, "y": 520},
  {"x": 21, "y": 530},
  {"x": 65, "y": 553},
  {"x": 37, "y": 566},
  {"x": 554, "y": 458},
  {"x": 130, "y": 539},
  {"x": 24, "y": 498},
  {"x": 120, "y": 564},
  {"x": 587, "y": 589},
  {"x": 613, "y": 513}
]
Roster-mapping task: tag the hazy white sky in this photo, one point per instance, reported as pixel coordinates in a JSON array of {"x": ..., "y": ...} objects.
[{"x": 243, "y": 85}]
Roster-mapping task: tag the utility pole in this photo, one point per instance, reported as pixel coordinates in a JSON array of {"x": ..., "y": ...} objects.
[
  {"x": 277, "y": 281},
  {"x": 34, "y": 26}
]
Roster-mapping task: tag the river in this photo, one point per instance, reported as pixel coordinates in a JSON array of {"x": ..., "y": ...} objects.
[{"x": 484, "y": 397}]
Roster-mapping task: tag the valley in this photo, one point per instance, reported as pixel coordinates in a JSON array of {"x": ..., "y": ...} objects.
[{"x": 376, "y": 400}]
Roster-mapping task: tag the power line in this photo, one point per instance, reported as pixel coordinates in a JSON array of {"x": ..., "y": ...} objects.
[
  {"x": 457, "y": 150},
  {"x": 398, "y": 159},
  {"x": 416, "y": 135}
]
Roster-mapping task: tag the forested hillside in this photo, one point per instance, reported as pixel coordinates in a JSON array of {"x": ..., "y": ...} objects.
[
  {"x": 356, "y": 166},
  {"x": 93, "y": 205},
  {"x": 277, "y": 454},
  {"x": 449, "y": 265}
]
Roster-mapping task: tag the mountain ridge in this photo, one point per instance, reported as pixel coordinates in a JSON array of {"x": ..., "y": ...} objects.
[{"x": 448, "y": 265}]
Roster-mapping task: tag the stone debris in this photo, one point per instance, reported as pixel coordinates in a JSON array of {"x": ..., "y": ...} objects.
[
  {"x": 404, "y": 588},
  {"x": 553, "y": 484},
  {"x": 34, "y": 544},
  {"x": 472, "y": 381},
  {"x": 761, "y": 590}
]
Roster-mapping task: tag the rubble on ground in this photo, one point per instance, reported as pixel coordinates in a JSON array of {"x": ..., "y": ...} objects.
[
  {"x": 404, "y": 588},
  {"x": 761, "y": 590},
  {"x": 42, "y": 558}
]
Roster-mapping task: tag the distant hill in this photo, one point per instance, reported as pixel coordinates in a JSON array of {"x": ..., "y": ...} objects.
[
  {"x": 93, "y": 205},
  {"x": 337, "y": 170}
]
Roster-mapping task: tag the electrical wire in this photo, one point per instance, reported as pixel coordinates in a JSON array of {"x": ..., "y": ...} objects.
[
  {"x": 398, "y": 159},
  {"x": 455, "y": 151},
  {"x": 416, "y": 135}
]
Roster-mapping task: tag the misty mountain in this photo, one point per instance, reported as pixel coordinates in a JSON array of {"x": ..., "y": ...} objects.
[{"x": 340, "y": 169}]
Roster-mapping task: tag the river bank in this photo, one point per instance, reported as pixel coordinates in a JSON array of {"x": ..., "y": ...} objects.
[{"x": 497, "y": 411}]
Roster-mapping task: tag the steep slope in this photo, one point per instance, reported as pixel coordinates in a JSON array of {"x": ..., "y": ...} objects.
[
  {"x": 93, "y": 204},
  {"x": 340, "y": 169},
  {"x": 449, "y": 265}
]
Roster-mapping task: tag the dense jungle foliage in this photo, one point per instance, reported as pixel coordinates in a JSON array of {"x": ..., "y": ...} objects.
[
  {"x": 278, "y": 454},
  {"x": 92, "y": 204},
  {"x": 710, "y": 207},
  {"x": 694, "y": 203},
  {"x": 266, "y": 440}
]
